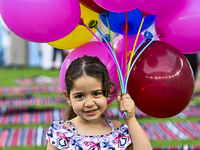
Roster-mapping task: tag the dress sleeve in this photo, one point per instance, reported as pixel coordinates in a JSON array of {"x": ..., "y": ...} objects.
[{"x": 58, "y": 135}]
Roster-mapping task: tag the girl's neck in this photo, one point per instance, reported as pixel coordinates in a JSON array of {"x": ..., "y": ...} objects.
[
  {"x": 81, "y": 121},
  {"x": 99, "y": 127}
]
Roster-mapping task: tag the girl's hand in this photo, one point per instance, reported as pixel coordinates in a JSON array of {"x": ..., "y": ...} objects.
[{"x": 126, "y": 103}]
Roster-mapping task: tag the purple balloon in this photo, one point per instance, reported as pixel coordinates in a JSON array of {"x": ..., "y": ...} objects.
[
  {"x": 154, "y": 7},
  {"x": 180, "y": 27},
  {"x": 40, "y": 20},
  {"x": 91, "y": 49},
  {"x": 119, "y": 5}
]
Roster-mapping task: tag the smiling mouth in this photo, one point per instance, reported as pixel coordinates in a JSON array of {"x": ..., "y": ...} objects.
[{"x": 90, "y": 111}]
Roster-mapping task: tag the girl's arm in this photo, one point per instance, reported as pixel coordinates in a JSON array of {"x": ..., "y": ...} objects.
[
  {"x": 138, "y": 137},
  {"x": 51, "y": 147}
]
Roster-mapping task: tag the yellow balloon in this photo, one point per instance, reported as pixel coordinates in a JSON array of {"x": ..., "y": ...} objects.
[{"x": 80, "y": 34}]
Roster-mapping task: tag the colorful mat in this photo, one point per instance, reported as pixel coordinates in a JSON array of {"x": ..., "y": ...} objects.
[
  {"x": 37, "y": 80},
  {"x": 28, "y": 101},
  {"x": 191, "y": 111},
  {"x": 184, "y": 147},
  {"x": 35, "y": 89},
  {"x": 155, "y": 131},
  {"x": 31, "y": 116},
  {"x": 26, "y": 115},
  {"x": 172, "y": 130},
  {"x": 22, "y": 137}
]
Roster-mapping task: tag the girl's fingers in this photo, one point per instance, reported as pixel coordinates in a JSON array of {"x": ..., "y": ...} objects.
[
  {"x": 126, "y": 104},
  {"x": 118, "y": 98}
]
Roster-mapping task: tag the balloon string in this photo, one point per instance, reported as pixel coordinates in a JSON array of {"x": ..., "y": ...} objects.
[
  {"x": 113, "y": 47},
  {"x": 105, "y": 48},
  {"x": 99, "y": 40},
  {"x": 126, "y": 49},
  {"x": 131, "y": 57},
  {"x": 110, "y": 35},
  {"x": 123, "y": 56},
  {"x": 126, "y": 82},
  {"x": 116, "y": 61},
  {"x": 94, "y": 34},
  {"x": 124, "y": 113}
]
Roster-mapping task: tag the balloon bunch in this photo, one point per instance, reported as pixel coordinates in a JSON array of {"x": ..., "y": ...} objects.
[{"x": 151, "y": 68}]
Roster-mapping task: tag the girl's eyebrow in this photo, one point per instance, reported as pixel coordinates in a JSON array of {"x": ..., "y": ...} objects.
[
  {"x": 77, "y": 93},
  {"x": 98, "y": 90}
]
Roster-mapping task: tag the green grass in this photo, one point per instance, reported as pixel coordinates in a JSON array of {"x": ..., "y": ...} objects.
[
  {"x": 196, "y": 101},
  {"x": 8, "y": 77},
  {"x": 25, "y": 148},
  {"x": 160, "y": 143},
  {"x": 7, "y": 126}
]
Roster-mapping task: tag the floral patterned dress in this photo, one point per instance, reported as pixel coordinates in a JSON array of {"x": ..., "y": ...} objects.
[{"x": 64, "y": 138}]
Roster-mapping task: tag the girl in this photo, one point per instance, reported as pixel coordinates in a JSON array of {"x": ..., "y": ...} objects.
[{"x": 88, "y": 88}]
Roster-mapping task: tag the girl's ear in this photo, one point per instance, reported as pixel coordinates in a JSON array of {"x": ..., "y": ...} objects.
[
  {"x": 67, "y": 97},
  {"x": 110, "y": 92}
]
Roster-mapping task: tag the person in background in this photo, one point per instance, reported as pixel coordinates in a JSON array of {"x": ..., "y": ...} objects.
[
  {"x": 58, "y": 57},
  {"x": 18, "y": 52},
  {"x": 193, "y": 60},
  {"x": 5, "y": 43}
]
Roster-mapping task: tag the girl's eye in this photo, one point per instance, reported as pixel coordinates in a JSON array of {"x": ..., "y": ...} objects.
[
  {"x": 96, "y": 94},
  {"x": 79, "y": 96}
]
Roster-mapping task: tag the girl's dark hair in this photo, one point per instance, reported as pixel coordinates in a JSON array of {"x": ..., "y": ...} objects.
[{"x": 91, "y": 66}]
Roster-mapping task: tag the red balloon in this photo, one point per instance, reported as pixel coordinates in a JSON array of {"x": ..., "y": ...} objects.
[
  {"x": 161, "y": 82},
  {"x": 92, "y": 5}
]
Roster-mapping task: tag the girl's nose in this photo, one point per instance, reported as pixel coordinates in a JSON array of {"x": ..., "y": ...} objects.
[{"x": 89, "y": 102}]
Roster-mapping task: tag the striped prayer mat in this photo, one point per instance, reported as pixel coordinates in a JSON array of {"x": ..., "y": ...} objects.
[
  {"x": 184, "y": 147},
  {"x": 197, "y": 94},
  {"x": 22, "y": 137},
  {"x": 35, "y": 89},
  {"x": 197, "y": 83},
  {"x": 155, "y": 131},
  {"x": 32, "y": 116},
  {"x": 172, "y": 130},
  {"x": 23, "y": 115},
  {"x": 37, "y": 80},
  {"x": 27, "y": 101},
  {"x": 191, "y": 111}
]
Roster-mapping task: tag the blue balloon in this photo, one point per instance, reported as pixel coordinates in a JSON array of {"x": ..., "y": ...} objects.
[{"x": 117, "y": 21}]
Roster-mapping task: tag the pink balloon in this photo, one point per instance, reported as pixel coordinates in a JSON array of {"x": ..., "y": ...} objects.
[
  {"x": 180, "y": 27},
  {"x": 119, "y": 5},
  {"x": 91, "y": 49},
  {"x": 119, "y": 45},
  {"x": 41, "y": 20},
  {"x": 154, "y": 7}
]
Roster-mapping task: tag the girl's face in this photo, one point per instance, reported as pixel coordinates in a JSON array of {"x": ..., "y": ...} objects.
[{"x": 87, "y": 99}]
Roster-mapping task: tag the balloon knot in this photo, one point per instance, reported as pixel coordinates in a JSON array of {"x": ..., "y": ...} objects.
[
  {"x": 107, "y": 37},
  {"x": 144, "y": 14},
  {"x": 81, "y": 21},
  {"x": 93, "y": 24},
  {"x": 148, "y": 35},
  {"x": 128, "y": 54},
  {"x": 160, "y": 33},
  {"x": 123, "y": 27},
  {"x": 105, "y": 14}
]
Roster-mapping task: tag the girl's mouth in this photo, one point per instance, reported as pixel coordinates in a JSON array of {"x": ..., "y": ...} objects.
[{"x": 91, "y": 112}]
